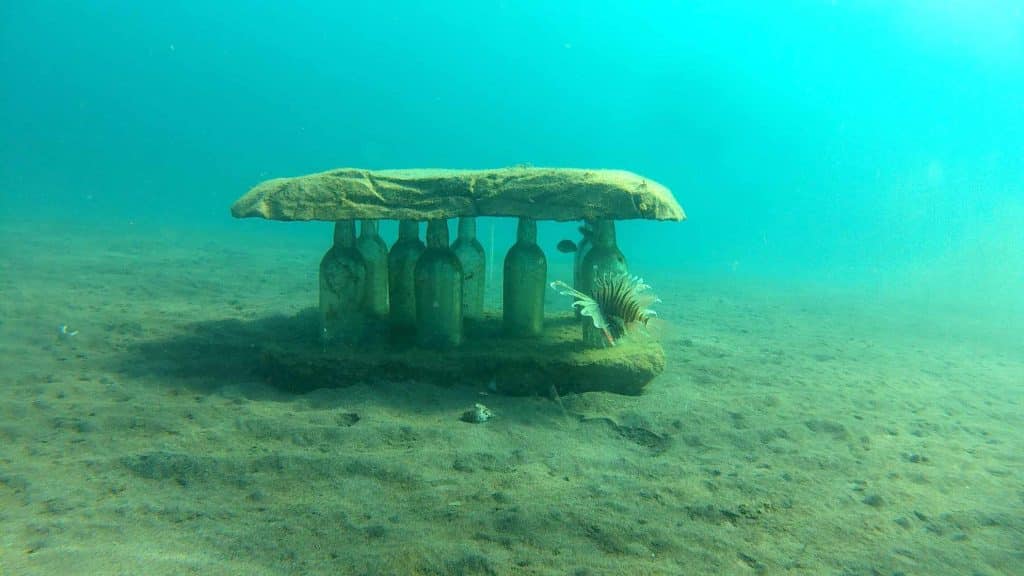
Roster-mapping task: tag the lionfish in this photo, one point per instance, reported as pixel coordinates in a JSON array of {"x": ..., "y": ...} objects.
[{"x": 619, "y": 303}]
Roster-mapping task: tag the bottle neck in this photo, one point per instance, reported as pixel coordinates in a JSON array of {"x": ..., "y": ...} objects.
[
  {"x": 527, "y": 232},
  {"x": 603, "y": 233},
  {"x": 467, "y": 228},
  {"x": 368, "y": 228},
  {"x": 408, "y": 230},
  {"x": 345, "y": 233},
  {"x": 437, "y": 233}
]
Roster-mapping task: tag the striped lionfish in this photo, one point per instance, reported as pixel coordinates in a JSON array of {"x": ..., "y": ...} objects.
[{"x": 619, "y": 303}]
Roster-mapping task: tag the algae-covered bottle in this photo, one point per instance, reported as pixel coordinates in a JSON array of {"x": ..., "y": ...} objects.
[
  {"x": 438, "y": 291},
  {"x": 342, "y": 288},
  {"x": 525, "y": 279},
  {"x": 586, "y": 230},
  {"x": 603, "y": 259},
  {"x": 401, "y": 279},
  {"x": 471, "y": 256},
  {"x": 375, "y": 253}
]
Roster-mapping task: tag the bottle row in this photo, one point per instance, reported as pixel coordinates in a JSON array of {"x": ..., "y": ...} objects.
[{"x": 426, "y": 292}]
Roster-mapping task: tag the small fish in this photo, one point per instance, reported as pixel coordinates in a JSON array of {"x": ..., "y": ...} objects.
[{"x": 567, "y": 246}]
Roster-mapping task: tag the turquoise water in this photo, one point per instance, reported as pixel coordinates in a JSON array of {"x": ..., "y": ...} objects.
[
  {"x": 856, "y": 168},
  {"x": 804, "y": 139}
]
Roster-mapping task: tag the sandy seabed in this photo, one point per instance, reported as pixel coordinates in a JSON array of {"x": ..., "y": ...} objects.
[{"x": 795, "y": 431}]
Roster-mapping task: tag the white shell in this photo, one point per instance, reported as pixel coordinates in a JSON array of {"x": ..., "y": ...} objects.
[{"x": 478, "y": 415}]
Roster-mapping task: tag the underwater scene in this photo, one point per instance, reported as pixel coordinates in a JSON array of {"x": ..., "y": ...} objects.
[{"x": 512, "y": 287}]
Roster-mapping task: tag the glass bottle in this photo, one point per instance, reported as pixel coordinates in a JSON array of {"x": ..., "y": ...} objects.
[
  {"x": 604, "y": 258},
  {"x": 375, "y": 253},
  {"x": 471, "y": 256},
  {"x": 586, "y": 230},
  {"x": 342, "y": 288},
  {"x": 401, "y": 279},
  {"x": 525, "y": 279},
  {"x": 438, "y": 291}
]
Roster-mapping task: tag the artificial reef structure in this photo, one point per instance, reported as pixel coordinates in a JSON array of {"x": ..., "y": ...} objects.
[{"x": 414, "y": 310}]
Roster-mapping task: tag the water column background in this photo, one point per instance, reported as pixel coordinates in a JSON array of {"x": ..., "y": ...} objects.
[{"x": 854, "y": 143}]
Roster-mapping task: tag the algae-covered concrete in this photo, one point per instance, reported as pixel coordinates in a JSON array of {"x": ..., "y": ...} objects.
[
  {"x": 540, "y": 193},
  {"x": 556, "y": 362}
]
